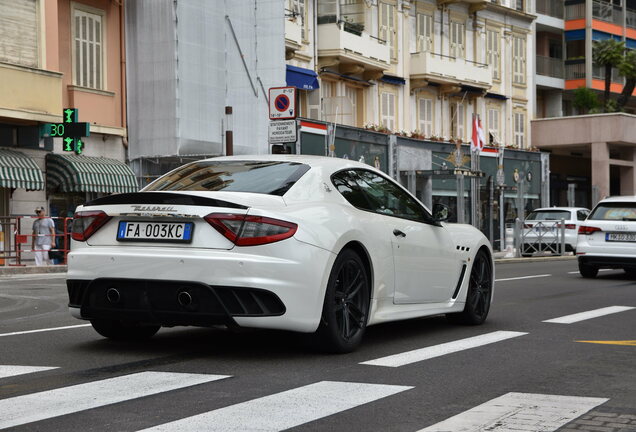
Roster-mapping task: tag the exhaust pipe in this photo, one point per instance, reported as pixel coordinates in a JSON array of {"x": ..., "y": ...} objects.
[
  {"x": 184, "y": 298},
  {"x": 113, "y": 296}
]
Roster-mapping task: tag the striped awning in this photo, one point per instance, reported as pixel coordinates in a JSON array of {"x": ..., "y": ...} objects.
[
  {"x": 78, "y": 173},
  {"x": 18, "y": 170}
]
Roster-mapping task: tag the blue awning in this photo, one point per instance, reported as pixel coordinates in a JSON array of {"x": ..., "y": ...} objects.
[
  {"x": 601, "y": 36},
  {"x": 496, "y": 96},
  {"x": 393, "y": 80},
  {"x": 574, "y": 35},
  {"x": 301, "y": 78}
]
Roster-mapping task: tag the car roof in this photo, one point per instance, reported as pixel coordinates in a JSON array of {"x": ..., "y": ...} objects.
[
  {"x": 626, "y": 198},
  {"x": 560, "y": 209},
  {"x": 330, "y": 163}
]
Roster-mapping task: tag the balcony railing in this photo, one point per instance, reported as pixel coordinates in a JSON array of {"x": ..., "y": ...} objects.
[
  {"x": 630, "y": 18},
  {"x": 575, "y": 11},
  {"x": 553, "y": 8},
  {"x": 362, "y": 48},
  {"x": 598, "y": 72},
  {"x": 575, "y": 71},
  {"x": 607, "y": 12},
  {"x": 450, "y": 69},
  {"x": 548, "y": 66}
]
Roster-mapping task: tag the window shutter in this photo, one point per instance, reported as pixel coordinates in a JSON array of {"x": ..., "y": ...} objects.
[
  {"x": 88, "y": 50},
  {"x": 19, "y": 32}
]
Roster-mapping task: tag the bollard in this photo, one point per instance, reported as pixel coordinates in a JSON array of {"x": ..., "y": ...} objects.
[{"x": 510, "y": 242}]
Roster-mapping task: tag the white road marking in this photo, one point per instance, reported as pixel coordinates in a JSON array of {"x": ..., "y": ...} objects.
[
  {"x": 523, "y": 412},
  {"x": 523, "y": 277},
  {"x": 9, "y": 370},
  {"x": 44, "y": 330},
  {"x": 39, "y": 406},
  {"x": 419, "y": 355},
  {"x": 284, "y": 410},
  {"x": 569, "y": 319}
]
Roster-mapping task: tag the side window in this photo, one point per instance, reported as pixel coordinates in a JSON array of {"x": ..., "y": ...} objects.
[
  {"x": 369, "y": 191},
  {"x": 582, "y": 214}
]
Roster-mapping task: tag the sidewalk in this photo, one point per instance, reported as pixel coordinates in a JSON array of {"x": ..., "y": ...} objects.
[{"x": 499, "y": 259}]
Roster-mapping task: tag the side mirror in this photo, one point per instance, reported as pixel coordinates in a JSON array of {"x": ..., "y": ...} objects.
[{"x": 441, "y": 212}]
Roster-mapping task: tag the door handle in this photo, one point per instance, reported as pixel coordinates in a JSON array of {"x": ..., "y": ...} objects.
[{"x": 398, "y": 233}]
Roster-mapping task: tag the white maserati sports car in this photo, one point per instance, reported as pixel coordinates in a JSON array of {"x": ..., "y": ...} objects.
[{"x": 308, "y": 244}]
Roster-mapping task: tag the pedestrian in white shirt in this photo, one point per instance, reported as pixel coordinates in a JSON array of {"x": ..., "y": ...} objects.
[{"x": 43, "y": 237}]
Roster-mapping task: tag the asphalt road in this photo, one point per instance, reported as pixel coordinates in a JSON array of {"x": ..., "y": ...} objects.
[{"x": 276, "y": 380}]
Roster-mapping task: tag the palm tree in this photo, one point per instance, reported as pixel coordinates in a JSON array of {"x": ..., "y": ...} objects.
[
  {"x": 608, "y": 54},
  {"x": 627, "y": 68}
]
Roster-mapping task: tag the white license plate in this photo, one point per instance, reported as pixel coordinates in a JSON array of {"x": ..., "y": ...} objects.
[
  {"x": 621, "y": 237},
  {"x": 155, "y": 231}
]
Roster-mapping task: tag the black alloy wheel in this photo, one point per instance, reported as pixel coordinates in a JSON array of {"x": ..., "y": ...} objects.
[
  {"x": 479, "y": 292},
  {"x": 119, "y": 330},
  {"x": 346, "y": 306}
]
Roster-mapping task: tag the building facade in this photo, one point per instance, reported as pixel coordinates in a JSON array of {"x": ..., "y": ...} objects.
[
  {"x": 422, "y": 67},
  {"x": 590, "y": 158},
  {"x": 55, "y": 55}
]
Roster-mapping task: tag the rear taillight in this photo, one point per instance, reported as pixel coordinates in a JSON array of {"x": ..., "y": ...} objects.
[
  {"x": 86, "y": 223},
  {"x": 527, "y": 225},
  {"x": 587, "y": 230},
  {"x": 245, "y": 230}
]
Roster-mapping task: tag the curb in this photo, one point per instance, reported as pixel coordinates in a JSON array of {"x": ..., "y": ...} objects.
[
  {"x": 534, "y": 259},
  {"x": 20, "y": 270}
]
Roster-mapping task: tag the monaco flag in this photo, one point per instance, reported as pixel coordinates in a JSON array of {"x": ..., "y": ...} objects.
[{"x": 478, "y": 140}]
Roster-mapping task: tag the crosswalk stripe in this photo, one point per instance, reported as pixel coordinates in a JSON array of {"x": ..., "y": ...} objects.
[
  {"x": 427, "y": 353},
  {"x": 47, "y": 404},
  {"x": 44, "y": 330},
  {"x": 569, "y": 319},
  {"x": 284, "y": 410},
  {"x": 519, "y": 412},
  {"x": 9, "y": 370}
]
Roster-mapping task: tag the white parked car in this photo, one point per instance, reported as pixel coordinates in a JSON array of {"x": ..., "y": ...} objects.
[
  {"x": 301, "y": 243},
  {"x": 607, "y": 239},
  {"x": 542, "y": 229}
]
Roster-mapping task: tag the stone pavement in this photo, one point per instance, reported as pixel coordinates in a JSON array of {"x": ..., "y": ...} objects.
[{"x": 604, "y": 420}]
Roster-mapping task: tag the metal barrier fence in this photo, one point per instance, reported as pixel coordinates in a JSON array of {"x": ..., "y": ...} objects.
[
  {"x": 540, "y": 237},
  {"x": 17, "y": 238}
]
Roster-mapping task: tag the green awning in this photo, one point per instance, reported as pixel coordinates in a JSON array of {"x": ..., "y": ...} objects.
[
  {"x": 18, "y": 170},
  {"x": 78, "y": 173}
]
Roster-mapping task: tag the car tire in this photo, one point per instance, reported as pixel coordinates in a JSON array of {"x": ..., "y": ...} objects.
[
  {"x": 588, "y": 271},
  {"x": 124, "y": 331},
  {"x": 346, "y": 305},
  {"x": 479, "y": 292}
]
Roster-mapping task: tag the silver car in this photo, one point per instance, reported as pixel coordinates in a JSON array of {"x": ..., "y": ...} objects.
[{"x": 542, "y": 229}]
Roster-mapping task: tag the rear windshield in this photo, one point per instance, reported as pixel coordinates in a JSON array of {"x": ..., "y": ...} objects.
[
  {"x": 614, "y": 211},
  {"x": 271, "y": 178},
  {"x": 549, "y": 215}
]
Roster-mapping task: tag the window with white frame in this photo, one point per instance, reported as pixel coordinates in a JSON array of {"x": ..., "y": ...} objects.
[
  {"x": 493, "y": 52},
  {"x": 424, "y": 32},
  {"x": 494, "y": 131},
  {"x": 298, "y": 9},
  {"x": 520, "y": 128},
  {"x": 425, "y": 116},
  {"x": 88, "y": 49},
  {"x": 387, "y": 30},
  {"x": 457, "y": 39},
  {"x": 458, "y": 120},
  {"x": 519, "y": 60},
  {"x": 387, "y": 110}
]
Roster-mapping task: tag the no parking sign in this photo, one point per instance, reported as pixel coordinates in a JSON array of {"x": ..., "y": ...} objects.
[{"x": 282, "y": 103}]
